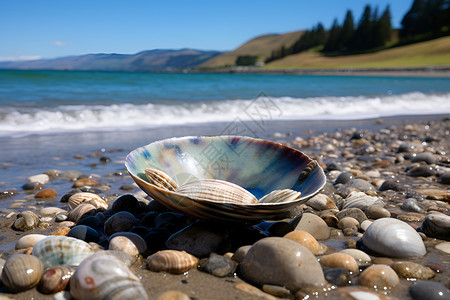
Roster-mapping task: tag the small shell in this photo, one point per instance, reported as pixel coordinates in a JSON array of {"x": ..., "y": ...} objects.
[
  {"x": 88, "y": 198},
  {"x": 103, "y": 276},
  {"x": 307, "y": 170},
  {"x": 160, "y": 179},
  {"x": 393, "y": 238},
  {"x": 76, "y": 214},
  {"x": 55, "y": 279},
  {"x": 171, "y": 261},
  {"x": 361, "y": 200},
  {"x": 137, "y": 240},
  {"x": 22, "y": 272},
  {"x": 26, "y": 220},
  {"x": 124, "y": 244},
  {"x": 280, "y": 196},
  {"x": 321, "y": 202},
  {"x": 61, "y": 250},
  {"x": 29, "y": 240},
  {"x": 217, "y": 191}
]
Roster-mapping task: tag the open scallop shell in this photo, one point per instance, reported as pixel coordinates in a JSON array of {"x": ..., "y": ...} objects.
[{"x": 259, "y": 166}]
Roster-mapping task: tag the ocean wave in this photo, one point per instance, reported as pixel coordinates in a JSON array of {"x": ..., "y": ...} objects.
[{"x": 16, "y": 121}]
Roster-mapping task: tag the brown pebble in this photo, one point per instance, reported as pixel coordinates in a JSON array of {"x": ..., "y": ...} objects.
[
  {"x": 46, "y": 193},
  {"x": 250, "y": 289},
  {"x": 85, "y": 182},
  {"x": 410, "y": 269},
  {"x": 173, "y": 295},
  {"x": 382, "y": 261},
  {"x": 61, "y": 231},
  {"x": 78, "y": 156},
  {"x": 411, "y": 218}
]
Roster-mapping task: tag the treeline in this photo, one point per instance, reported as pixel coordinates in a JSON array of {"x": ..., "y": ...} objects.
[{"x": 426, "y": 18}]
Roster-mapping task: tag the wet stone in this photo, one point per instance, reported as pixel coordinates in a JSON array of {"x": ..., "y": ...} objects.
[
  {"x": 413, "y": 270},
  {"x": 421, "y": 171},
  {"x": 429, "y": 290},
  {"x": 314, "y": 225},
  {"x": 121, "y": 221},
  {"x": 360, "y": 184},
  {"x": 84, "y": 233},
  {"x": 276, "y": 290},
  {"x": 426, "y": 157},
  {"x": 409, "y": 147},
  {"x": 353, "y": 212},
  {"x": 91, "y": 221},
  {"x": 393, "y": 185},
  {"x": 444, "y": 178},
  {"x": 412, "y": 205},
  {"x": 46, "y": 193},
  {"x": 31, "y": 186},
  {"x": 337, "y": 276},
  {"x": 218, "y": 265},
  {"x": 127, "y": 203},
  {"x": 436, "y": 225},
  {"x": 377, "y": 212}
]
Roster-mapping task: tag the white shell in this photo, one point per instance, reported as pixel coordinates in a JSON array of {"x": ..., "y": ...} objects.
[
  {"x": 280, "y": 196},
  {"x": 29, "y": 240},
  {"x": 393, "y": 238},
  {"x": 321, "y": 202},
  {"x": 86, "y": 198},
  {"x": 361, "y": 200},
  {"x": 160, "y": 179},
  {"x": 103, "y": 276},
  {"x": 135, "y": 239},
  {"x": 61, "y": 250},
  {"x": 216, "y": 191}
]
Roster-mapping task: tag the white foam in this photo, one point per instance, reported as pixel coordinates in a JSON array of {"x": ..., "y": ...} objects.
[{"x": 23, "y": 121}]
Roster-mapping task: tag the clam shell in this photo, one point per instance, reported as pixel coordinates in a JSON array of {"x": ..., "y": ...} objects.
[
  {"x": 136, "y": 240},
  {"x": 279, "y": 196},
  {"x": 160, "y": 179},
  {"x": 29, "y": 240},
  {"x": 87, "y": 198},
  {"x": 361, "y": 200},
  {"x": 61, "y": 250},
  {"x": 55, "y": 279},
  {"x": 103, "y": 276},
  {"x": 215, "y": 190},
  {"x": 257, "y": 165},
  {"x": 171, "y": 261},
  {"x": 393, "y": 238},
  {"x": 78, "y": 212},
  {"x": 22, "y": 272}
]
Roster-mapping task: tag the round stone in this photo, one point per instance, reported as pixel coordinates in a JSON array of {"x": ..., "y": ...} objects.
[
  {"x": 393, "y": 185},
  {"x": 344, "y": 177},
  {"x": 85, "y": 182},
  {"x": 218, "y": 265},
  {"x": 411, "y": 270},
  {"x": 429, "y": 290},
  {"x": 426, "y": 157},
  {"x": 377, "y": 212},
  {"x": 46, "y": 193},
  {"x": 421, "y": 171},
  {"x": 436, "y": 225},
  {"x": 314, "y": 225},
  {"x": 378, "y": 276},
  {"x": 444, "y": 247},
  {"x": 280, "y": 261},
  {"x": 340, "y": 260},
  {"x": 337, "y": 276},
  {"x": 411, "y": 204},
  {"x": 84, "y": 233},
  {"x": 307, "y": 240}
]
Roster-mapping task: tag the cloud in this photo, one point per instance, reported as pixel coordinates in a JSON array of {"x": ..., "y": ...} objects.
[
  {"x": 19, "y": 58},
  {"x": 59, "y": 43}
]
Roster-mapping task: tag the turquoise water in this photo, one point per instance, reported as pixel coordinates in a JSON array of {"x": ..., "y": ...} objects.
[{"x": 42, "y": 102}]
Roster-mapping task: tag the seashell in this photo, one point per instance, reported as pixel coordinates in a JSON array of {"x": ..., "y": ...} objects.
[
  {"x": 55, "y": 279},
  {"x": 361, "y": 200},
  {"x": 280, "y": 196},
  {"x": 378, "y": 276},
  {"x": 21, "y": 272},
  {"x": 171, "y": 261},
  {"x": 26, "y": 220},
  {"x": 340, "y": 260},
  {"x": 215, "y": 190},
  {"x": 124, "y": 244},
  {"x": 321, "y": 202},
  {"x": 307, "y": 240},
  {"x": 86, "y": 198},
  {"x": 160, "y": 179},
  {"x": 103, "y": 276},
  {"x": 393, "y": 238},
  {"x": 121, "y": 221},
  {"x": 136, "y": 240},
  {"x": 29, "y": 240},
  {"x": 77, "y": 213},
  {"x": 51, "y": 211},
  {"x": 61, "y": 250},
  {"x": 259, "y": 166}
]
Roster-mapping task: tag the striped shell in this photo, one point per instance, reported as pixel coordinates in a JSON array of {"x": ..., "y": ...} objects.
[
  {"x": 76, "y": 213},
  {"x": 103, "y": 276},
  {"x": 171, "y": 261},
  {"x": 279, "y": 196},
  {"x": 86, "y": 198},
  {"x": 361, "y": 200},
  {"x": 55, "y": 279},
  {"x": 21, "y": 272},
  {"x": 160, "y": 179},
  {"x": 61, "y": 250},
  {"x": 216, "y": 191}
]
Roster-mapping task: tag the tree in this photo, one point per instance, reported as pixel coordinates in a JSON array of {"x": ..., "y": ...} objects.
[
  {"x": 334, "y": 36},
  {"x": 362, "y": 39},
  {"x": 348, "y": 29},
  {"x": 385, "y": 26}
]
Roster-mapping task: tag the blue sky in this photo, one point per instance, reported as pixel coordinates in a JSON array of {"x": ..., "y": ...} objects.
[{"x": 55, "y": 28}]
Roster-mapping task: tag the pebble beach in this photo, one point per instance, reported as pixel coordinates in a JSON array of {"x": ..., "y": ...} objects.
[{"x": 379, "y": 229}]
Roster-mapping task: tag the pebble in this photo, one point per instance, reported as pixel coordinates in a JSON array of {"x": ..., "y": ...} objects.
[
  {"x": 429, "y": 290},
  {"x": 436, "y": 225},
  {"x": 39, "y": 178},
  {"x": 121, "y": 221},
  {"x": 46, "y": 193},
  {"x": 85, "y": 182},
  {"x": 288, "y": 263},
  {"x": 393, "y": 185},
  {"x": 354, "y": 212},
  {"x": 444, "y": 178},
  {"x": 379, "y": 277},
  {"x": 240, "y": 253},
  {"x": 276, "y": 290},
  {"x": 360, "y": 257},
  {"x": 321, "y": 202},
  {"x": 426, "y": 157},
  {"x": 348, "y": 222},
  {"x": 337, "y": 276},
  {"x": 361, "y": 185},
  {"x": 444, "y": 247},
  {"x": 199, "y": 239},
  {"x": 340, "y": 260},
  {"x": 29, "y": 240},
  {"x": 84, "y": 233},
  {"x": 218, "y": 265},
  {"x": 31, "y": 186},
  {"x": 314, "y": 225},
  {"x": 46, "y": 211},
  {"x": 409, "y": 147},
  {"x": 137, "y": 241},
  {"x": 173, "y": 295},
  {"x": 307, "y": 240},
  {"x": 377, "y": 212},
  {"x": 127, "y": 203},
  {"x": 421, "y": 171},
  {"x": 344, "y": 178},
  {"x": 411, "y": 204},
  {"x": 21, "y": 272},
  {"x": 254, "y": 291},
  {"x": 411, "y": 270}
]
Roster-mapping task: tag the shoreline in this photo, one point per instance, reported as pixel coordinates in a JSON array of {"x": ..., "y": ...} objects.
[{"x": 426, "y": 72}]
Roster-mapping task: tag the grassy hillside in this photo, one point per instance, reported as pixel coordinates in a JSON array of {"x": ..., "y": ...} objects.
[
  {"x": 261, "y": 46},
  {"x": 431, "y": 53}
]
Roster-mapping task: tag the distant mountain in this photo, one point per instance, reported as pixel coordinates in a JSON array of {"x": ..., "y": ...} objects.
[{"x": 152, "y": 60}]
